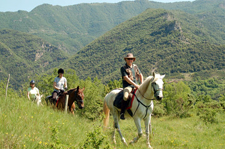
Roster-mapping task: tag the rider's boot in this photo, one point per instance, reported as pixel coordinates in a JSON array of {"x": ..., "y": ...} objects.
[{"x": 123, "y": 108}]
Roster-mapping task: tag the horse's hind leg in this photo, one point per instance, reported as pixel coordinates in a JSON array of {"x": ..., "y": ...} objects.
[
  {"x": 116, "y": 126},
  {"x": 114, "y": 134}
]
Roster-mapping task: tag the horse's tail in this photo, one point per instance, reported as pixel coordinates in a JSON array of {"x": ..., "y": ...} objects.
[{"x": 106, "y": 112}]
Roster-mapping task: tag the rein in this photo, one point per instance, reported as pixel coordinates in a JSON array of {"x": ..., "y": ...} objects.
[{"x": 143, "y": 95}]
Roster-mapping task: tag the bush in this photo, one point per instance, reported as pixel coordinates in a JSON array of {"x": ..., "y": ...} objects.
[
  {"x": 209, "y": 111},
  {"x": 178, "y": 100}
]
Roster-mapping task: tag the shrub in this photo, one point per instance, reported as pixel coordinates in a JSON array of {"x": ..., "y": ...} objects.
[{"x": 208, "y": 111}]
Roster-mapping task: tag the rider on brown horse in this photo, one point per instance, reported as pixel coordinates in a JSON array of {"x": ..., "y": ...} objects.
[
  {"x": 130, "y": 75},
  {"x": 59, "y": 85}
]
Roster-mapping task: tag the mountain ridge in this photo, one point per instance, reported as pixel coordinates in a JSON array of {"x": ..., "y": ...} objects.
[
  {"x": 151, "y": 37},
  {"x": 24, "y": 56},
  {"x": 73, "y": 27}
]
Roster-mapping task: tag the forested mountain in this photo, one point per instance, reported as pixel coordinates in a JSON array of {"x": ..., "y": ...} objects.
[
  {"x": 24, "y": 56},
  {"x": 73, "y": 27},
  {"x": 189, "y": 39},
  {"x": 168, "y": 41}
]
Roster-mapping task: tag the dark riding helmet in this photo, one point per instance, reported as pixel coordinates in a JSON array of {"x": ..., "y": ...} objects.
[
  {"x": 32, "y": 82},
  {"x": 61, "y": 71}
]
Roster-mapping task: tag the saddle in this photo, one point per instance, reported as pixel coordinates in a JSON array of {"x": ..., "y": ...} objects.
[
  {"x": 50, "y": 98},
  {"x": 118, "y": 101}
]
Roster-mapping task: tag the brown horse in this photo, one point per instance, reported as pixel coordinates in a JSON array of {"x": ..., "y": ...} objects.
[{"x": 75, "y": 94}]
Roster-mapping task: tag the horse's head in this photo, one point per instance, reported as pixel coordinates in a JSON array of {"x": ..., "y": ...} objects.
[
  {"x": 79, "y": 97},
  {"x": 157, "y": 85}
]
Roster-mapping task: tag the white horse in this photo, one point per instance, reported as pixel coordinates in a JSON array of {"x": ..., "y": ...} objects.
[
  {"x": 38, "y": 99},
  {"x": 142, "y": 106}
]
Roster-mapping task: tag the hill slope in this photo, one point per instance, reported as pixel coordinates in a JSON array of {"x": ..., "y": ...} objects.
[
  {"x": 171, "y": 41},
  {"x": 24, "y": 56},
  {"x": 73, "y": 27}
]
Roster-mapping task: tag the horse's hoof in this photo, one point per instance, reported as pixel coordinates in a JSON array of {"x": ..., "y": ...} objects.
[
  {"x": 149, "y": 146},
  {"x": 131, "y": 142}
]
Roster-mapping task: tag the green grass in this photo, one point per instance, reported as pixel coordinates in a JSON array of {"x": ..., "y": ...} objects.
[{"x": 24, "y": 125}]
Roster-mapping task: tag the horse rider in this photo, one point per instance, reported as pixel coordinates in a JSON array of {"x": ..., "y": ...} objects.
[
  {"x": 131, "y": 74},
  {"x": 32, "y": 91},
  {"x": 59, "y": 84}
]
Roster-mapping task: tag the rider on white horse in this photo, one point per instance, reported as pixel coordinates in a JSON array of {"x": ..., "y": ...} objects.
[
  {"x": 130, "y": 75},
  {"x": 32, "y": 91}
]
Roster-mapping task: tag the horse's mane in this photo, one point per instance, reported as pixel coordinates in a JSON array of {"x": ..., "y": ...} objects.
[
  {"x": 71, "y": 90},
  {"x": 147, "y": 81}
]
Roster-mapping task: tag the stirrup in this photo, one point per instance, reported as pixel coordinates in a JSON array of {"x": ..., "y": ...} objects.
[{"x": 122, "y": 116}]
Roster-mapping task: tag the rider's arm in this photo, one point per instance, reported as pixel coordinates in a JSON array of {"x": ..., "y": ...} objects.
[
  {"x": 38, "y": 92},
  {"x": 54, "y": 86},
  {"x": 28, "y": 95},
  {"x": 126, "y": 78},
  {"x": 141, "y": 78},
  {"x": 65, "y": 84}
]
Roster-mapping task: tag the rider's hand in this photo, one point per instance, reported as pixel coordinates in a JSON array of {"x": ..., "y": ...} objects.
[
  {"x": 137, "y": 86},
  {"x": 65, "y": 88}
]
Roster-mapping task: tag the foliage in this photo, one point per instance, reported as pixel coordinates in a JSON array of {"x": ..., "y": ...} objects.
[
  {"x": 95, "y": 139},
  {"x": 177, "y": 99},
  {"x": 208, "y": 110},
  {"x": 212, "y": 87}
]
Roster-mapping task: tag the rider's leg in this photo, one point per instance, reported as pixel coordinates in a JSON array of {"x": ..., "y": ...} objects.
[
  {"x": 54, "y": 95},
  {"x": 126, "y": 91}
]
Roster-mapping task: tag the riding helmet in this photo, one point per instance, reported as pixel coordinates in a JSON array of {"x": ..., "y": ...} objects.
[
  {"x": 61, "y": 71},
  {"x": 32, "y": 82}
]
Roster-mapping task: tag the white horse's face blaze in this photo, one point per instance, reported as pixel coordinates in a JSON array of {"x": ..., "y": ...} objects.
[{"x": 158, "y": 88}]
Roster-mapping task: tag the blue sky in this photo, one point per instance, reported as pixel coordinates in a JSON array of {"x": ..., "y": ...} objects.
[{"x": 28, "y": 5}]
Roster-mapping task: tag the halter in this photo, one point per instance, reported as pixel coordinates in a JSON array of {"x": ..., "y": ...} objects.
[
  {"x": 155, "y": 90},
  {"x": 139, "y": 102}
]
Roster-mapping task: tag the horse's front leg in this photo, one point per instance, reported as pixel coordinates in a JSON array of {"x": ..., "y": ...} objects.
[
  {"x": 138, "y": 125},
  {"x": 117, "y": 127},
  {"x": 72, "y": 108},
  {"x": 147, "y": 125}
]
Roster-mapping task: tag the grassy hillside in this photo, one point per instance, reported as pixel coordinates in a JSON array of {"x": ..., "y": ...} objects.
[
  {"x": 24, "y": 56},
  {"x": 24, "y": 125},
  {"x": 168, "y": 41},
  {"x": 73, "y": 27}
]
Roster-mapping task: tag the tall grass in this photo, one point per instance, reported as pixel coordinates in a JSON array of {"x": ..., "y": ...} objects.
[{"x": 25, "y": 125}]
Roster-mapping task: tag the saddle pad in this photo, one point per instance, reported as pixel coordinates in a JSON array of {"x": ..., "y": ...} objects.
[{"x": 117, "y": 102}]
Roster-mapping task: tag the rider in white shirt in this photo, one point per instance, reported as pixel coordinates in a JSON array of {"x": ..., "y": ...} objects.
[
  {"x": 59, "y": 84},
  {"x": 32, "y": 91}
]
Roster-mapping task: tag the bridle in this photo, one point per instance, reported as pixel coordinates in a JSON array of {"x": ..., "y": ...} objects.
[
  {"x": 139, "y": 102},
  {"x": 80, "y": 98},
  {"x": 155, "y": 90}
]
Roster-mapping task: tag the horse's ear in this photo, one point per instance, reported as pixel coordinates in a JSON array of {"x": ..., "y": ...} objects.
[
  {"x": 163, "y": 76},
  {"x": 82, "y": 89},
  {"x": 77, "y": 88},
  {"x": 153, "y": 74}
]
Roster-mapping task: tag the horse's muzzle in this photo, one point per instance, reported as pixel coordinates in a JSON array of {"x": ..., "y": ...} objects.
[
  {"x": 159, "y": 98},
  {"x": 81, "y": 107}
]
